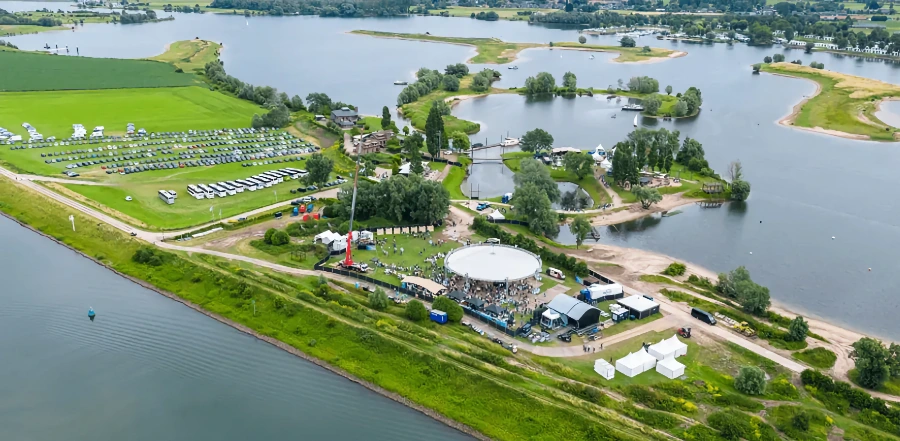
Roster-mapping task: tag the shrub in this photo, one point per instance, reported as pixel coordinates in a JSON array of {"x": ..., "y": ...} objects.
[
  {"x": 801, "y": 421},
  {"x": 453, "y": 310},
  {"x": 784, "y": 388},
  {"x": 751, "y": 381},
  {"x": 675, "y": 269},
  {"x": 416, "y": 311},
  {"x": 655, "y": 419},
  {"x": 378, "y": 300},
  {"x": 148, "y": 256}
]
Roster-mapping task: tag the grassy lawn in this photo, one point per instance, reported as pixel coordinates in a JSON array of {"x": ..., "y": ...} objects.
[
  {"x": 816, "y": 357},
  {"x": 147, "y": 210},
  {"x": 891, "y": 386},
  {"x": 155, "y": 109},
  {"x": 625, "y": 325},
  {"x": 190, "y": 55},
  {"x": 504, "y": 13},
  {"x": 496, "y": 51},
  {"x": 28, "y": 71},
  {"x": 842, "y": 100},
  {"x": 436, "y": 166}
]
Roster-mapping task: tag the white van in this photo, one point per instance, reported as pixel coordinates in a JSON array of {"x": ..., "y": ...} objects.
[{"x": 553, "y": 272}]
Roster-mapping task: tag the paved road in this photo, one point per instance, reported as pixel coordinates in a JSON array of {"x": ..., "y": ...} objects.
[
  {"x": 676, "y": 312},
  {"x": 59, "y": 180}
]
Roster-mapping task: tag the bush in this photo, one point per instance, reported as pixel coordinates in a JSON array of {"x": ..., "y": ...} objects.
[
  {"x": 416, "y": 311},
  {"x": 751, "y": 381},
  {"x": 453, "y": 310},
  {"x": 735, "y": 425},
  {"x": 801, "y": 421},
  {"x": 148, "y": 256},
  {"x": 726, "y": 399},
  {"x": 378, "y": 300},
  {"x": 655, "y": 419},
  {"x": 784, "y": 388},
  {"x": 675, "y": 269}
]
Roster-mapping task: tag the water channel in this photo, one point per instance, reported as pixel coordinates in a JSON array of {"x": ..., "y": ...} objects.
[
  {"x": 807, "y": 187},
  {"x": 150, "y": 369}
]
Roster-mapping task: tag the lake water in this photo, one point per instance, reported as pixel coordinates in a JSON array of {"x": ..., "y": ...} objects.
[
  {"x": 806, "y": 187},
  {"x": 151, "y": 369}
]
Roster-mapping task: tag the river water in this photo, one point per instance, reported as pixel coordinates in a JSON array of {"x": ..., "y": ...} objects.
[
  {"x": 807, "y": 187},
  {"x": 150, "y": 369}
]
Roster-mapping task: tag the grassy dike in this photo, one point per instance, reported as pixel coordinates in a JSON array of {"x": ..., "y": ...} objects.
[{"x": 364, "y": 347}]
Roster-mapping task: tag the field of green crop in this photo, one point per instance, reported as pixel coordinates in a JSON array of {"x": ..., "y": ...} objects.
[
  {"x": 156, "y": 109},
  {"x": 23, "y": 71},
  {"x": 147, "y": 210}
]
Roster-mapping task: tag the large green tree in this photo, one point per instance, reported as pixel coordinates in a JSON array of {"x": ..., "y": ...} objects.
[
  {"x": 570, "y": 82},
  {"x": 534, "y": 205},
  {"x": 453, "y": 310},
  {"x": 416, "y": 311},
  {"x": 385, "y": 118},
  {"x": 652, "y": 104},
  {"x": 580, "y": 228},
  {"x": 319, "y": 167},
  {"x": 871, "y": 359},
  {"x": 435, "y": 139},
  {"x": 531, "y": 171},
  {"x": 536, "y": 140},
  {"x": 798, "y": 329},
  {"x": 751, "y": 380},
  {"x": 542, "y": 84},
  {"x": 579, "y": 164},
  {"x": 460, "y": 140},
  {"x": 754, "y": 298},
  {"x": 646, "y": 195},
  {"x": 378, "y": 299}
]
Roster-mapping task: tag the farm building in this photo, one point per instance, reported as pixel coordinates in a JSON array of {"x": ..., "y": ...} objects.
[{"x": 639, "y": 306}]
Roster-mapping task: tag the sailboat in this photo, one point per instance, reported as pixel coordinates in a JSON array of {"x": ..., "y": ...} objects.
[{"x": 635, "y": 120}]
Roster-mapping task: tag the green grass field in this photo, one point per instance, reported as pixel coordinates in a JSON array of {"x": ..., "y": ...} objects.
[
  {"x": 817, "y": 357},
  {"x": 11, "y": 30},
  {"x": 190, "y": 55},
  {"x": 626, "y": 54},
  {"x": 26, "y": 71},
  {"x": 417, "y": 112},
  {"x": 454, "y": 181},
  {"x": 155, "y": 109},
  {"x": 147, "y": 210}
]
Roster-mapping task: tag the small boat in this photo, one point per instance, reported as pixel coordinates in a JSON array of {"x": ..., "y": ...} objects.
[
  {"x": 400, "y": 83},
  {"x": 509, "y": 142},
  {"x": 91, "y": 313},
  {"x": 46, "y": 46},
  {"x": 635, "y": 120},
  {"x": 513, "y": 67},
  {"x": 591, "y": 57},
  {"x": 635, "y": 107},
  {"x": 613, "y": 115}
]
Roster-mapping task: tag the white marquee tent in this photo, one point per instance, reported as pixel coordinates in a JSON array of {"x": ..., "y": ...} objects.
[
  {"x": 605, "y": 369},
  {"x": 635, "y": 363},
  {"x": 670, "y": 368},
  {"x": 496, "y": 215},
  {"x": 668, "y": 348}
]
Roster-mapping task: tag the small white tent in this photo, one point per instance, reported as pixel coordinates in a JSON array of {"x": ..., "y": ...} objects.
[
  {"x": 605, "y": 164},
  {"x": 635, "y": 363},
  {"x": 326, "y": 237},
  {"x": 605, "y": 369},
  {"x": 670, "y": 368},
  {"x": 668, "y": 348},
  {"x": 496, "y": 215}
]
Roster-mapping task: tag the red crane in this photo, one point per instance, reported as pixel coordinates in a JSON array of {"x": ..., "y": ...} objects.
[{"x": 348, "y": 260}]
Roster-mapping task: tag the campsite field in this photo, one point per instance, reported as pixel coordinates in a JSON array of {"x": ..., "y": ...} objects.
[
  {"x": 157, "y": 110},
  {"x": 27, "y": 71},
  {"x": 147, "y": 210}
]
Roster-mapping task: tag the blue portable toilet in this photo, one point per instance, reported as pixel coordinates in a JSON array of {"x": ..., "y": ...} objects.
[
  {"x": 309, "y": 208},
  {"x": 295, "y": 212},
  {"x": 438, "y": 316}
]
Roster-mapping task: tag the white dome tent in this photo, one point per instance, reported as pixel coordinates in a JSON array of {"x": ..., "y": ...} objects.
[{"x": 668, "y": 348}]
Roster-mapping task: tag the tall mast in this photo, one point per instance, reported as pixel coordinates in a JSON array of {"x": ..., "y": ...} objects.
[{"x": 349, "y": 259}]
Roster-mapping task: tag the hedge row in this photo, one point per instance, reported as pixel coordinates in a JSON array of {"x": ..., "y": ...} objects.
[{"x": 832, "y": 392}]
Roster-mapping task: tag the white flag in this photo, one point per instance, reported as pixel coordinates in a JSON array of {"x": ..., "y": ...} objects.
[
  {"x": 210, "y": 208},
  {"x": 72, "y": 218}
]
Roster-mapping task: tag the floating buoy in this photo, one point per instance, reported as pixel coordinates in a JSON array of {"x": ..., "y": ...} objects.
[
  {"x": 91, "y": 313},
  {"x": 751, "y": 252},
  {"x": 870, "y": 270},
  {"x": 832, "y": 237}
]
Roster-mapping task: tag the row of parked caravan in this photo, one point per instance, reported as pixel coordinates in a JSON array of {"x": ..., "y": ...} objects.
[{"x": 253, "y": 183}]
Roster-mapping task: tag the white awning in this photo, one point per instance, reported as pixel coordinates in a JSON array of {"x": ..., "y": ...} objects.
[{"x": 496, "y": 215}]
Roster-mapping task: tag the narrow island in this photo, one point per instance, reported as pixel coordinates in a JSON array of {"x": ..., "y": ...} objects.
[
  {"x": 843, "y": 105},
  {"x": 496, "y": 51},
  {"x": 32, "y": 22}
]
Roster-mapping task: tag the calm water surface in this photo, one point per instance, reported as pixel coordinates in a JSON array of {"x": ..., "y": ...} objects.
[
  {"x": 151, "y": 369},
  {"x": 806, "y": 187}
]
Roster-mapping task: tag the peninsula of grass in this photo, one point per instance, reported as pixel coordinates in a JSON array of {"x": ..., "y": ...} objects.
[
  {"x": 31, "y": 71},
  {"x": 453, "y": 183},
  {"x": 13, "y": 30},
  {"x": 190, "y": 55},
  {"x": 666, "y": 108},
  {"x": 844, "y": 105},
  {"x": 496, "y": 51},
  {"x": 417, "y": 112}
]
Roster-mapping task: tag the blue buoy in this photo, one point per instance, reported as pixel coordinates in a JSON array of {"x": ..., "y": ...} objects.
[{"x": 91, "y": 314}]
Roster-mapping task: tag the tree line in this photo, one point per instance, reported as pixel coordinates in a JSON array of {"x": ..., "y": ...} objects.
[
  {"x": 399, "y": 198},
  {"x": 326, "y": 8},
  {"x": 279, "y": 105},
  {"x": 429, "y": 80},
  {"x": 7, "y": 18},
  {"x": 560, "y": 260}
]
